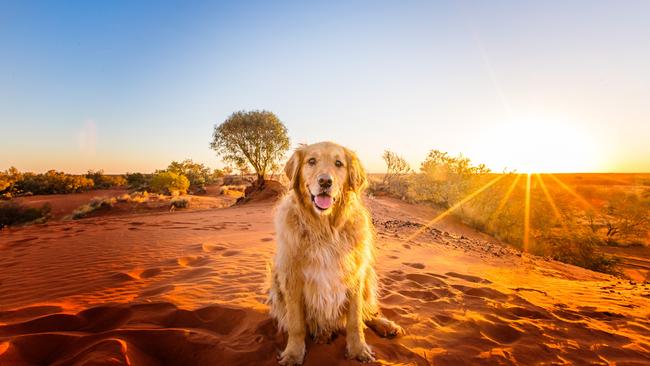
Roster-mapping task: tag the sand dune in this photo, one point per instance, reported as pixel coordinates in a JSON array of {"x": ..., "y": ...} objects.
[{"x": 187, "y": 288}]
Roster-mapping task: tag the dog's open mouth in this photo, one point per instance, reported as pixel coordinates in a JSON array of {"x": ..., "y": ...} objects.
[{"x": 322, "y": 201}]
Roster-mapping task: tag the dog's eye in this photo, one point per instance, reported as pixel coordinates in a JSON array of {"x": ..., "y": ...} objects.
[
  {"x": 311, "y": 161},
  {"x": 338, "y": 163}
]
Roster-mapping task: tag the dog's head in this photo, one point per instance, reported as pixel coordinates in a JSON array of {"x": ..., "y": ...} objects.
[{"x": 323, "y": 174}]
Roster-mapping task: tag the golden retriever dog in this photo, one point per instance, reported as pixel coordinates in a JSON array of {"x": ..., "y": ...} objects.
[{"x": 322, "y": 279}]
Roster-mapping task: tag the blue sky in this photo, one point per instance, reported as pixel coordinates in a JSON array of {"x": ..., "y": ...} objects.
[{"x": 132, "y": 85}]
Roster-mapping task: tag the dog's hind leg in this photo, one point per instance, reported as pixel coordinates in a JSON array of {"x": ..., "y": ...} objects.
[{"x": 372, "y": 315}]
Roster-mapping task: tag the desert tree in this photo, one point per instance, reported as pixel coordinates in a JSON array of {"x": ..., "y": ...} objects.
[
  {"x": 257, "y": 138},
  {"x": 396, "y": 166},
  {"x": 626, "y": 216},
  {"x": 243, "y": 169}
]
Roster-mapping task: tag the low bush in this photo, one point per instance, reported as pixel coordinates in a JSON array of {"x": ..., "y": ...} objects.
[
  {"x": 137, "y": 181},
  {"x": 197, "y": 174},
  {"x": 94, "y": 205},
  {"x": 102, "y": 181},
  {"x": 581, "y": 249},
  {"x": 12, "y": 213},
  {"x": 169, "y": 183}
]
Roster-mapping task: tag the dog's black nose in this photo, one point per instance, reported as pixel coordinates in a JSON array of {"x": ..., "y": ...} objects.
[{"x": 325, "y": 180}]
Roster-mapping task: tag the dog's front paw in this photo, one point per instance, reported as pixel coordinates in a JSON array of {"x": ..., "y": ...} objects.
[
  {"x": 360, "y": 352},
  {"x": 387, "y": 328},
  {"x": 292, "y": 356}
]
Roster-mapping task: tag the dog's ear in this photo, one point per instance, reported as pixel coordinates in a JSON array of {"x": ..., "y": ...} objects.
[
  {"x": 292, "y": 168},
  {"x": 356, "y": 173}
]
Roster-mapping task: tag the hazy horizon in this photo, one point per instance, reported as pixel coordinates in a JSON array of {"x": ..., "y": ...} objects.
[{"x": 121, "y": 86}]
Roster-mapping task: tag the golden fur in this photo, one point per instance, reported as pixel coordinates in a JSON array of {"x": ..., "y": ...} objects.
[{"x": 322, "y": 279}]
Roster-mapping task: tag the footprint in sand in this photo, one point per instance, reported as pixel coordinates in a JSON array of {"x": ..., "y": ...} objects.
[
  {"x": 591, "y": 312},
  {"x": 419, "y": 295},
  {"x": 499, "y": 332},
  {"x": 520, "y": 312},
  {"x": 195, "y": 272},
  {"x": 206, "y": 247},
  {"x": 425, "y": 279},
  {"x": 230, "y": 253},
  {"x": 150, "y": 272},
  {"x": 468, "y": 278},
  {"x": 193, "y": 261},
  {"x": 415, "y": 265},
  {"x": 484, "y": 292}
]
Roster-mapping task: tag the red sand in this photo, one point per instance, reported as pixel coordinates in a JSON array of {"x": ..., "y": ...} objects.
[
  {"x": 63, "y": 204},
  {"x": 186, "y": 288}
]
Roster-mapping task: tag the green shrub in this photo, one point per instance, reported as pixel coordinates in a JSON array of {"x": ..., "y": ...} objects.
[
  {"x": 169, "y": 183},
  {"x": 581, "y": 249},
  {"x": 197, "y": 174},
  {"x": 12, "y": 213},
  {"x": 102, "y": 181},
  {"x": 137, "y": 181},
  {"x": 8, "y": 179}
]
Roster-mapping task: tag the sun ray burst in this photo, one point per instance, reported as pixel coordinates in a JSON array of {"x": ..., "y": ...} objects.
[
  {"x": 550, "y": 199},
  {"x": 580, "y": 199},
  {"x": 505, "y": 199},
  {"x": 454, "y": 207}
]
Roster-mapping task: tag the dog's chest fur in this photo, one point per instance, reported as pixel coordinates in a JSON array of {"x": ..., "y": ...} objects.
[{"x": 328, "y": 273}]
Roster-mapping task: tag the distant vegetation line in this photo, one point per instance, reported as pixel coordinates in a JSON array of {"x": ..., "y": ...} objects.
[
  {"x": 568, "y": 222},
  {"x": 178, "y": 178}
]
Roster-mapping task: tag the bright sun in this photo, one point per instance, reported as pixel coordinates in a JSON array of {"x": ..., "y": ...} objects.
[{"x": 542, "y": 145}]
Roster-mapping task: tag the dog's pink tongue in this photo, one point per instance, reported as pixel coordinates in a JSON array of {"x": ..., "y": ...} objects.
[{"x": 323, "y": 201}]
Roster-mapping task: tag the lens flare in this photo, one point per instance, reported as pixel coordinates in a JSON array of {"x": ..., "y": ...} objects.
[
  {"x": 454, "y": 207},
  {"x": 505, "y": 199},
  {"x": 550, "y": 200},
  {"x": 582, "y": 201}
]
